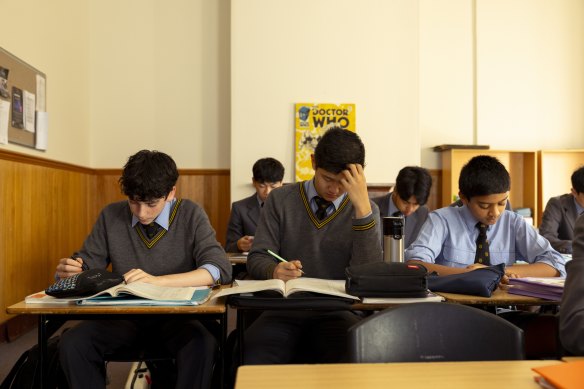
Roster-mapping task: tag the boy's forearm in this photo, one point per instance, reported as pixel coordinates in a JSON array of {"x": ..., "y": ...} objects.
[
  {"x": 533, "y": 270},
  {"x": 440, "y": 269}
]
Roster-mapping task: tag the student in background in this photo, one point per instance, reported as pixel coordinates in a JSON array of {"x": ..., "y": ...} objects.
[
  {"x": 155, "y": 238},
  {"x": 561, "y": 212},
  {"x": 408, "y": 198},
  {"x": 321, "y": 226},
  {"x": 482, "y": 232},
  {"x": 572, "y": 307},
  {"x": 268, "y": 174}
]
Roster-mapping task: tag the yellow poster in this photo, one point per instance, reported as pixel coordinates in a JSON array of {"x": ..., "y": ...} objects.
[{"x": 311, "y": 122}]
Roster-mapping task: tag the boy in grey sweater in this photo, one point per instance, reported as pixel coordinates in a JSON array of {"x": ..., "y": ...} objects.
[
  {"x": 156, "y": 238},
  {"x": 321, "y": 226}
]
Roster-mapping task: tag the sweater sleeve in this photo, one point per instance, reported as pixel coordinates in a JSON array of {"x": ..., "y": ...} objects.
[
  {"x": 206, "y": 248},
  {"x": 367, "y": 238}
]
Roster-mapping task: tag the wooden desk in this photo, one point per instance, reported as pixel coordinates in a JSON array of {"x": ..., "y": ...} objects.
[
  {"x": 572, "y": 359},
  {"x": 52, "y": 316},
  {"x": 422, "y": 375},
  {"x": 499, "y": 297}
]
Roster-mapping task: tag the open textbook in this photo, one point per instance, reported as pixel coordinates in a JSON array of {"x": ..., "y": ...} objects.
[
  {"x": 303, "y": 284},
  {"x": 135, "y": 293}
]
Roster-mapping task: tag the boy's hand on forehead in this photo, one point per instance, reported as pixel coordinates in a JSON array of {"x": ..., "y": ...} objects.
[{"x": 354, "y": 182}]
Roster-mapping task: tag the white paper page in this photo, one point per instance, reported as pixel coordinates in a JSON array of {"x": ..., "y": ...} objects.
[
  {"x": 41, "y": 83},
  {"x": 28, "y": 110},
  {"x": 4, "y": 114},
  {"x": 42, "y": 130}
]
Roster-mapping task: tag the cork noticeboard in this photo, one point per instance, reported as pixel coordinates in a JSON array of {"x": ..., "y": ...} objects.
[{"x": 24, "y": 87}]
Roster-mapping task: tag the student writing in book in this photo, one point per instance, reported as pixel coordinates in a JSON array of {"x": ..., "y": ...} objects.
[
  {"x": 572, "y": 307},
  {"x": 482, "y": 232},
  {"x": 561, "y": 212},
  {"x": 320, "y": 226},
  {"x": 408, "y": 199},
  {"x": 268, "y": 174},
  {"x": 156, "y": 238}
]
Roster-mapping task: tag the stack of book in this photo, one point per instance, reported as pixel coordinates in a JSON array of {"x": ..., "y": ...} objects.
[{"x": 549, "y": 288}]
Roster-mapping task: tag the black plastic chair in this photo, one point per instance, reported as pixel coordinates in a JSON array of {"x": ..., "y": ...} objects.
[{"x": 424, "y": 332}]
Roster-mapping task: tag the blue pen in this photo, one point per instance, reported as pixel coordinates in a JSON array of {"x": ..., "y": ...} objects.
[{"x": 279, "y": 258}]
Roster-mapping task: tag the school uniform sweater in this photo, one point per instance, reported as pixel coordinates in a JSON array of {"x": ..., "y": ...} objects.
[
  {"x": 325, "y": 247},
  {"x": 189, "y": 243}
]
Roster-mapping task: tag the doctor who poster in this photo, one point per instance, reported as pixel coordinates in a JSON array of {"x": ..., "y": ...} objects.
[{"x": 311, "y": 122}]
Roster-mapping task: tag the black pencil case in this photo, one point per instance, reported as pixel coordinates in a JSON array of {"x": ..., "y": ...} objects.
[{"x": 386, "y": 279}]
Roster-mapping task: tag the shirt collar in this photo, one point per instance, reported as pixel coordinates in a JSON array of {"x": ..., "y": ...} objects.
[
  {"x": 579, "y": 208},
  {"x": 163, "y": 218},
  {"x": 311, "y": 193},
  {"x": 259, "y": 199},
  {"x": 468, "y": 218}
]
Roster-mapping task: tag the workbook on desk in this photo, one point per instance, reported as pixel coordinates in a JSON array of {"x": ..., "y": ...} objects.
[
  {"x": 429, "y": 298},
  {"x": 550, "y": 288},
  {"x": 135, "y": 293},
  {"x": 304, "y": 284}
]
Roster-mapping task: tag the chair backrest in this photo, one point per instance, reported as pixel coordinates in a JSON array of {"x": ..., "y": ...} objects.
[{"x": 424, "y": 332}]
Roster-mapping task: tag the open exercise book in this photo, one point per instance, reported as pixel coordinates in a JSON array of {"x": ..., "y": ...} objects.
[
  {"x": 303, "y": 284},
  {"x": 550, "y": 288},
  {"x": 135, "y": 293},
  {"x": 315, "y": 285}
]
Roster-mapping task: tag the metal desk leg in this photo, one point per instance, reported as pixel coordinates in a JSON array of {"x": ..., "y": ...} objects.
[
  {"x": 42, "y": 345},
  {"x": 240, "y": 331},
  {"x": 222, "y": 347}
]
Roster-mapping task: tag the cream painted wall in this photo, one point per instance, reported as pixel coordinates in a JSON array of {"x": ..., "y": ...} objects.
[
  {"x": 446, "y": 76},
  {"x": 160, "y": 79},
  {"x": 530, "y": 74},
  {"x": 132, "y": 74},
  {"x": 52, "y": 36},
  {"x": 329, "y": 51}
]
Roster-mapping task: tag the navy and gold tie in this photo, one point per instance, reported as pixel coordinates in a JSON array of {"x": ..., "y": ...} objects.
[
  {"x": 482, "y": 254},
  {"x": 322, "y": 206},
  {"x": 151, "y": 229}
]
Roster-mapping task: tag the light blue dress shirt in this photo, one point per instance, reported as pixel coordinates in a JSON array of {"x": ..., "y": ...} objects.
[
  {"x": 163, "y": 220},
  {"x": 448, "y": 237}
]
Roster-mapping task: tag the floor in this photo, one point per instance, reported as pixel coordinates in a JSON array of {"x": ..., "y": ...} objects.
[
  {"x": 10, "y": 352},
  {"x": 117, "y": 371}
]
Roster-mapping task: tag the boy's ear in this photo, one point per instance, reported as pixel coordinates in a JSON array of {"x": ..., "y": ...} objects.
[
  {"x": 171, "y": 194},
  {"x": 463, "y": 198},
  {"x": 312, "y": 161},
  {"x": 573, "y": 191}
]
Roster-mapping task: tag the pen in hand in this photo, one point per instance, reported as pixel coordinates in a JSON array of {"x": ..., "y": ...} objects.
[
  {"x": 83, "y": 265},
  {"x": 279, "y": 258}
]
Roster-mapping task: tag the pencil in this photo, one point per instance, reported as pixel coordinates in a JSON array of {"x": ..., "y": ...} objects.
[{"x": 279, "y": 258}]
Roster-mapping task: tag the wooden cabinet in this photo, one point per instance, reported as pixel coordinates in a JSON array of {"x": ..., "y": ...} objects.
[
  {"x": 555, "y": 169},
  {"x": 522, "y": 167}
]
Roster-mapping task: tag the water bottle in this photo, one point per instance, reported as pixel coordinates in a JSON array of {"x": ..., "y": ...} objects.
[{"x": 393, "y": 238}]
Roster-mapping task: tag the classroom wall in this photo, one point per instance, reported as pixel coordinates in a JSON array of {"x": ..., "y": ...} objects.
[
  {"x": 127, "y": 75},
  {"x": 503, "y": 73},
  {"x": 327, "y": 51},
  {"x": 152, "y": 74},
  {"x": 159, "y": 79},
  {"x": 52, "y": 36}
]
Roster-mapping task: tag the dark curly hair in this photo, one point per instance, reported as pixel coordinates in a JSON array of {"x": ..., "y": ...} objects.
[
  {"x": 337, "y": 148},
  {"x": 148, "y": 175},
  {"x": 483, "y": 175}
]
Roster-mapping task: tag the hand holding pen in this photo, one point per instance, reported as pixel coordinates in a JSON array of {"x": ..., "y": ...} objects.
[{"x": 286, "y": 270}]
